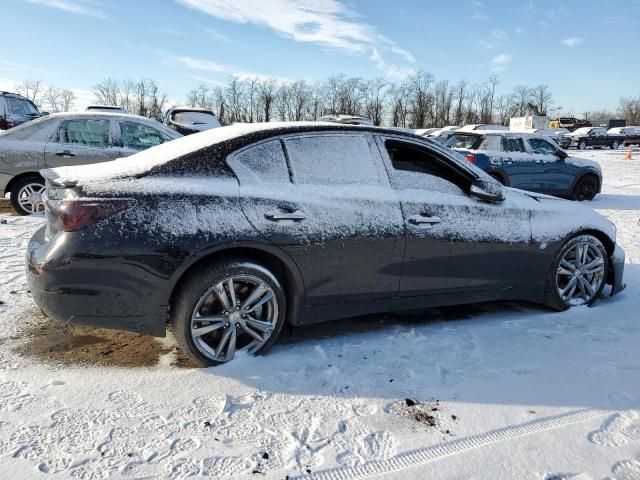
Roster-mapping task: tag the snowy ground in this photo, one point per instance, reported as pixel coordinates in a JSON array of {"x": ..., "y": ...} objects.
[{"x": 502, "y": 390}]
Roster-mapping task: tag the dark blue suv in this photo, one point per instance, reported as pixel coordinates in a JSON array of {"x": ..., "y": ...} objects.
[{"x": 529, "y": 162}]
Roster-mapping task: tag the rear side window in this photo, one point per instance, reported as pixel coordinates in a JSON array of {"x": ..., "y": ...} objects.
[
  {"x": 262, "y": 163},
  {"x": 512, "y": 145},
  {"x": 541, "y": 146},
  {"x": 87, "y": 132},
  {"x": 140, "y": 137},
  {"x": 471, "y": 142},
  {"x": 332, "y": 160}
]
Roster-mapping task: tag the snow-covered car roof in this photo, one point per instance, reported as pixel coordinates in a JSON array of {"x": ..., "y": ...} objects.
[{"x": 143, "y": 162}]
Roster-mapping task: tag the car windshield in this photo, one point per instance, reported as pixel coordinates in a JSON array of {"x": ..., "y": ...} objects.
[
  {"x": 458, "y": 140},
  {"x": 29, "y": 108},
  {"x": 582, "y": 131},
  {"x": 200, "y": 119}
]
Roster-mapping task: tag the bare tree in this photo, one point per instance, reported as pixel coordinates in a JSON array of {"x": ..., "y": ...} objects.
[
  {"x": 31, "y": 89},
  {"x": 629, "y": 109},
  {"x": 67, "y": 98},
  {"x": 541, "y": 98},
  {"x": 107, "y": 92},
  {"x": 521, "y": 96}
]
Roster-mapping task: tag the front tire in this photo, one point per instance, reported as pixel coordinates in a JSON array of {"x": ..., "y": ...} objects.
[
  {"x": 26, "y": 195},
  {"x": 615, "y": 145},
  {"x": 578, "y": 273},
  {"x": 582, "y": 145},
  {"x": 586, "y": 188},
  {"x": 225, "y": 307}
]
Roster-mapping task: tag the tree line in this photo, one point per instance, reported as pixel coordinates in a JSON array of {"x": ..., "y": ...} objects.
[{"x": 419, "y": 101}]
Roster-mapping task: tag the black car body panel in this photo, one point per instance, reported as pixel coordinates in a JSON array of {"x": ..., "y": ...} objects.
[{"x": 340, "y": 250}]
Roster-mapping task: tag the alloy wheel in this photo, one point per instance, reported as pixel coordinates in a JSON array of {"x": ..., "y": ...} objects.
[
  {"x": 586, "y": 188},
  {"x": 238, "y": 313},
  {"x": 30, "y": 197},
  {"x": 580, "y": 274}
]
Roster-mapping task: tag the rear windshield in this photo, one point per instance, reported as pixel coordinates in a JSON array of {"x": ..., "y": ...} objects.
[
  {"x": 461, "y": 140},
  {"x": 195, "y": 118}
]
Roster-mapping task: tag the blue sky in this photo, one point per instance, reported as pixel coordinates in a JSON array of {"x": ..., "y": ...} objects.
[{"x": 586, "y": 50}]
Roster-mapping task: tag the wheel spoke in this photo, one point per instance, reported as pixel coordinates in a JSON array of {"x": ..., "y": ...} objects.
[
  {"x": 588, "y": 287},
  {"x": 252, "y": 333},
  {"x": 224, "y": 340},
  {"x": 254, "y": 297},
  {"x": 222, "y": 297},
  {"x": 199, "y": 331},
  {"x": 259, "y": 325},
  {"x": 572, "y": 283},
  {"x": 232, "y": 292},
  {"x": 231, "y": 350},
  {"x": 261, "y": 302}
]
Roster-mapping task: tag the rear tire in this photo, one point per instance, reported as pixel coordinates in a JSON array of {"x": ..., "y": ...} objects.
[
  {"x": 205, "y": 302},
  {"x": 26, "y": 195},
  {"x": 577, "y": 274},
  {"x": 586, "y": 188}
]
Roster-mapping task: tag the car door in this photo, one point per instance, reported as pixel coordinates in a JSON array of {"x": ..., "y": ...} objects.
[
  {"x": 134, "y": 137},
  {"x": 80, "y": 141},
  {"x": 515, "y": 162},
  {"x": 552, "y": 174},
  {"x": 329, "y": 206},
  {"x": 454, "y": 243}
]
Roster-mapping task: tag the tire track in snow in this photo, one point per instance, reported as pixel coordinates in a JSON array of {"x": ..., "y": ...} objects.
[{"x": 435, "y": 452}]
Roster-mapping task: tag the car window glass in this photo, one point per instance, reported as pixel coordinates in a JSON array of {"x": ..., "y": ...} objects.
[
  {"x": 16, "y": 106},
  {"x": 463, "y": 141},
  {"x": 541, "y": 146},
  {"x": 261, "y": 163},
  {"x": 415, "y": 167},
  {"x": 512, "y": 144},
  {"x": 87, "y": 132},
  {"x": 29, "y": 108},
  {"x": 332, "y": 160},
  {"x": 140, "y": 137}
]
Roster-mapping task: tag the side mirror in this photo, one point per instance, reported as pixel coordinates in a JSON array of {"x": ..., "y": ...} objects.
[
  {"x": 487, "y": 190},
  {"x": 44, "y": 114},
  {"x": 561, "y": 154}
]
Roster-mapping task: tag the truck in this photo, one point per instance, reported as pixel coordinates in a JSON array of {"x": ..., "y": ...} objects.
[
  {"x": 530, "y": 121},
  {"x": 594, "y": 137},
  {"x": 616, "y": 123}
]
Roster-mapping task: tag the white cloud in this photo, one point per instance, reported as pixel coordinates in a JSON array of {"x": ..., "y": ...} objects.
[
  {"x": 217, "y": 35},
  {"x": 499, "y": 35},
  {"x": 500, "y": 62},
  {"x": 89, "y": 8},
  {"x": 202, "y": 65},
  {"x": 572, "y": 42},
  {"x": 327, "y": 23},
  {"x": 16, "y": 67}
]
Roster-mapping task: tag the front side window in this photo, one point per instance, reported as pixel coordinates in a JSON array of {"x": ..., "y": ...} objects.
[
  {"x": 332, "y": 160},
  {"x": 458, "y": 140},
  {"x": 139, "y": 136},
  {"x": 85, "y": 132},
  {"x": 29, "y": 108},
  {"x": 512, "y": 145},
  {"x": 415, "y": 167},
  {"x": 541, "y": 146},
  {"x": 262, "y": 163}
]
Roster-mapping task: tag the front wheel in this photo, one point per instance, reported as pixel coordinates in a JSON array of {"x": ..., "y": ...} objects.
[
  {"x": 586, "y": 188},
  {"x": 582, "y": 145},
  {"x": 26, "y": 195},
  {"x": 226, "y": 307},
  {"x": 615, "y": 145},
  {"x": 577, "y": 275}
]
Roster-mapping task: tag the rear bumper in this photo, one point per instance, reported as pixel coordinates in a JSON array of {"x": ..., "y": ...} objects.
[
  {"x": 72, "y": 290},
  {"x": 617, "y": 271}
]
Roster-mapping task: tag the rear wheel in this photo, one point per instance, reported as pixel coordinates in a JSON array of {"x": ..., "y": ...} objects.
[
  {"x": 26, "y": 195},
  {"x": 226, "y": 307},
  {"x": 615, "y": 145},
  {"x": 586, "y": 188},
  {"x": 582, "y": 145},
  {"x": 497, "y": 177},
  {"x": 577, "y": 275}
]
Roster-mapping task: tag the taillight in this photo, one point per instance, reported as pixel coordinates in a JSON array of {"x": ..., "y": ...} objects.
[
  {"x": 72, "y": 215},
  {"x": 471, "y": 158}
]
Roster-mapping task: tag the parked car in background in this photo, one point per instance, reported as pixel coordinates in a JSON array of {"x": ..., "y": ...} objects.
[
  {"x": 16, "y": 110},
  {"x": 188, "y": 120},
  {"x": 244, "y": 229},
  {"x": 106, "y": 108},
  {"x": 631, "y": 135},
  {"x": 347, "y": 119},
  {"x": 529, "y": 162},
  {"x": 558, "y": 135},
  {"x": 594, "y": 137},
  {"x": 423, "y": 132},
  {"x": 441, "y": 135},
  {"x": 69, "y": 139},
  {"x": 482, "y": 126}
]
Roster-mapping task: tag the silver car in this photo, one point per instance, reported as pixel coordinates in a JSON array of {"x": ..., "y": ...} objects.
[{"x": 69, "y": 139}]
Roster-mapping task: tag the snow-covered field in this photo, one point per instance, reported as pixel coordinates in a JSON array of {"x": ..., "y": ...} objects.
[{"x": 492, "y": 391}]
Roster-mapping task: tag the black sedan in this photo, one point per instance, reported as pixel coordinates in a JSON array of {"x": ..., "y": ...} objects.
[{"x": 231, "y": 233}]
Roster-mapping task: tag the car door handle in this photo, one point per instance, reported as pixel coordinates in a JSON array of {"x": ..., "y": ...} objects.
[
  {"x": 296, "y": 216},
  {"x": 65, "y": 153},
  {"x": 508, "y": 161},
  {"x": 423, "y": 220},
  {"x": 540, "y": 162}
]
